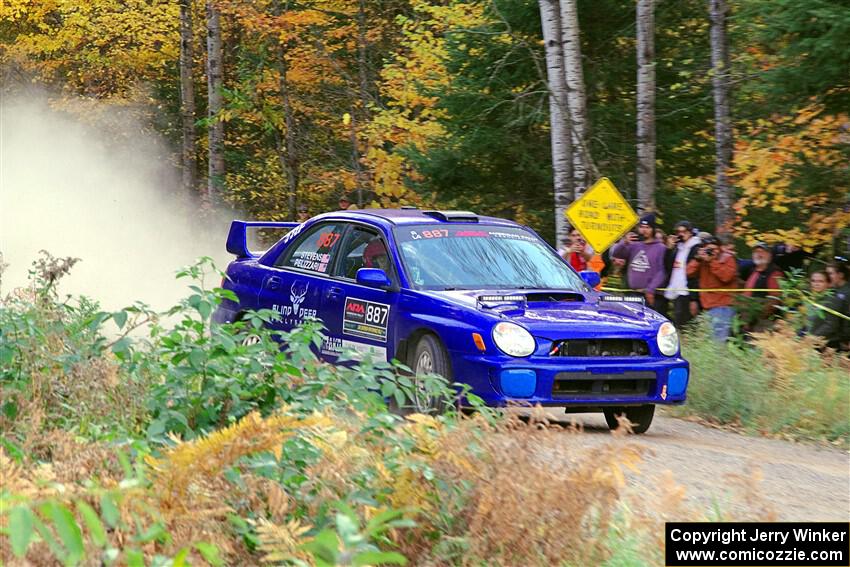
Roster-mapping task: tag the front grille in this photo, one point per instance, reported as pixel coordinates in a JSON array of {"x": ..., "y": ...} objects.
[
  {"x": 599, "y": 347},
  {"x": 589, "y": 385}
]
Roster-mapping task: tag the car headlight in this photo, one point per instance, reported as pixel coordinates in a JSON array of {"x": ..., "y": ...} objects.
[
  {"x": 668, "y": 339},
  {"x": 513, "y": 339}
]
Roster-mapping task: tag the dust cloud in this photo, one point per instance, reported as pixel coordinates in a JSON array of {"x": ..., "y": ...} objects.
[{"x": 101, "y": 189}]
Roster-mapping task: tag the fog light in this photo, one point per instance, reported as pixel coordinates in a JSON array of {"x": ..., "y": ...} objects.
[
  {"x": 519, "y": 383},
  {"x": 677, "y": 382}
]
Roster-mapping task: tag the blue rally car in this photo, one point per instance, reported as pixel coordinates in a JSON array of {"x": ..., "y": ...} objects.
[{"x": 479, "y": 300}]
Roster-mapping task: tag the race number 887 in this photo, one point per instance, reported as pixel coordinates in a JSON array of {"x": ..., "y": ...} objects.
[{"x": 376, "y": 314}]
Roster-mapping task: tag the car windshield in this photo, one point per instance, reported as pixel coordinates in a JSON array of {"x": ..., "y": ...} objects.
[{"x": 473, "y": 256}]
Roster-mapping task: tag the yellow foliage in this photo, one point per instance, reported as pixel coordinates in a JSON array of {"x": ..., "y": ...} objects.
[
  {"x": 99, "y": 47},
  {"x": 201, "y": 460},
  {"x": 766, "y": 169},
  {"x": 411, "y": 118},
  {"x": 280, "y": 542}
]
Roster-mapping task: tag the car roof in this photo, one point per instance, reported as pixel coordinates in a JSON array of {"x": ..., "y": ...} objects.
[{"x": 409, "y": 216}]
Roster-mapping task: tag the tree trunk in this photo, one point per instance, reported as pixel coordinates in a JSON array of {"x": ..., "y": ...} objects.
[
  {"x": 722, "y": 115},
  {"x": 582, "y": 163},
  {"x": 215, "y": 84},
  {"x": 646, "y": 105},
  {"x": 290, "y": 162},
  {"x": 187, "y": 98},
  {"x": 362, "y": 117},
  {"x": 559, "y": 129},
  {"x": 287, "y": 148}
]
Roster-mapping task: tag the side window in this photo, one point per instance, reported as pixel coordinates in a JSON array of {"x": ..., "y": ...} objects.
[
  {"x": 315, "y": 250},
  {"x": 363, "y": 248}
]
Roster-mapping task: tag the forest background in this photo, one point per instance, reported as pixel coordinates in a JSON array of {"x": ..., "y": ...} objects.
[{"x": 732, "y": 114}]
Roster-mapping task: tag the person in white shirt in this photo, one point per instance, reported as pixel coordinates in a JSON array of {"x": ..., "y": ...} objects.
[{"x": 685, "y": 303}]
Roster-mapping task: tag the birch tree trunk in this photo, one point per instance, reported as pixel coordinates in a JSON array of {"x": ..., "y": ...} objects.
[
  {"x": 646, "y": 105},
  {"x": 723, "y": 190},
  {"x": 189, "y": 160},
  {"x": 214, "y": 95},
  {"x": 559, "y": 129},
  {"x": 582, "y": 163}
]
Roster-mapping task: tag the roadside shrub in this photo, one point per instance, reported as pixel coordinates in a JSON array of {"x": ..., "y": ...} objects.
[
  {"x": 247, "y": 452},
  {"x": 779, "y": 383},
  {"x": 55, "y": 368}
]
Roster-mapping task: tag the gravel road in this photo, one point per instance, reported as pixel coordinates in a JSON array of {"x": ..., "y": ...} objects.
[{"x": 799, "y": 481}]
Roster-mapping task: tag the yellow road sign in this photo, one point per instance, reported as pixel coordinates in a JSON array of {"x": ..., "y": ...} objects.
[{"x": 601, "y": 215}]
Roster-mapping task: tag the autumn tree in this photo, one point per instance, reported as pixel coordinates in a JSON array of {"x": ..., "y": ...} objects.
[
  {"x": 792, "y": 171},
  {"x": 101, "y": 48}
]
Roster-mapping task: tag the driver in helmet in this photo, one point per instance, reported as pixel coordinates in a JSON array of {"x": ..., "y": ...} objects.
[{"x": 375, "y": 255}]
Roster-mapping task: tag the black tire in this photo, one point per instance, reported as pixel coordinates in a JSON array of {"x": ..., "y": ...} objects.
[
  {"x": 639, "y": 416},
  {"x": 428, "y": 357}
]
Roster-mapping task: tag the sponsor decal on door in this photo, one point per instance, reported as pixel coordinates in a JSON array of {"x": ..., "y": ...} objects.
[
  {"x": 366, "y": 319},
  {"x": 334, "y": 346},
  {"x": 294, "y": 314}
]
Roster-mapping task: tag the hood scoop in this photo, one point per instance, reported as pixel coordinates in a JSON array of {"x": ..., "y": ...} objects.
[
  {"x": 495, "y": 300},
  {"x": 554, "y": 297},
  {"x": 521, "y": 301},
  {"x": 633, "y": 299}
]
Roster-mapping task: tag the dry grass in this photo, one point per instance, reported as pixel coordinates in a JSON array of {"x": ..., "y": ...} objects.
[
  {"x": 483, "y": 492},
  {"x": 780, "y": 384}
]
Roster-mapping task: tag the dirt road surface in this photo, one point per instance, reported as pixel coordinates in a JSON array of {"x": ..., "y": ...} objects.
[{"x": 799, "y": 481}]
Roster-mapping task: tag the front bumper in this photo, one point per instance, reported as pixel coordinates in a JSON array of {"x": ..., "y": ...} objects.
[{"x": 574, "y": 382}]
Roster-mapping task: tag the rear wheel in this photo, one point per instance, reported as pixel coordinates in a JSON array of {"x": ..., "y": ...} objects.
[
  {"x": 639, "y": 416},
  {"x": 247, "y": 336}
]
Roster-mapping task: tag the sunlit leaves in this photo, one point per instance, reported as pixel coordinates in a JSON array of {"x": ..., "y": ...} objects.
[{"x": 791, "y": 166}]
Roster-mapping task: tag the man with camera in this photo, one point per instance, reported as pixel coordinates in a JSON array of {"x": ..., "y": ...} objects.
[{"x": 716, "y": 268}]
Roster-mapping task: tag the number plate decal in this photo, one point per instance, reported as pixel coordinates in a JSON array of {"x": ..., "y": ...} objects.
[{"x": 366, "y": 319}]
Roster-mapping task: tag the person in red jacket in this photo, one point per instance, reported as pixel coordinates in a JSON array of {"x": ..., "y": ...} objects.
[
  {"x": 578, "y": 252},
  {"x": 765, "y": 276},
  {"x": 716, "y": 269}
]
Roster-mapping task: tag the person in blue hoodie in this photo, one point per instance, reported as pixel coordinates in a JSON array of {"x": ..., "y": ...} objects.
[{"x": 645, "y": 256}]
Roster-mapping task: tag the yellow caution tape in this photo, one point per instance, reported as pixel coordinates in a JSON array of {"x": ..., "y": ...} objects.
[
  {"x": 825, "y": 308},
  {"x": 739, "y": 290}
]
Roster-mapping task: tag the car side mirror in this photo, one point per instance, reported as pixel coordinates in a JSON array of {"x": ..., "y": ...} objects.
[
  {"x": 374, "y": 277},
  {"x": 590, "y": 277}
]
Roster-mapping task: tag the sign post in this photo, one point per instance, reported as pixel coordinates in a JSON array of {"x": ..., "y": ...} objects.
[{"x": 602, "y": 215}]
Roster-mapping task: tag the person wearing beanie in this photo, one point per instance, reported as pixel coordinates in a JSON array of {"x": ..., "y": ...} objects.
[{"x": 645, "y": 258}]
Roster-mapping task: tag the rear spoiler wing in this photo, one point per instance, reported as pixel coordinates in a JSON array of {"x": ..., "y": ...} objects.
[{"x": 237, "y": 238}]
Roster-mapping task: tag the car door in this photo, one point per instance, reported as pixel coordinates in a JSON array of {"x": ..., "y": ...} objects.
[
  {"x": 294, "y": 283},
  {"x": 359, "y": 318}
]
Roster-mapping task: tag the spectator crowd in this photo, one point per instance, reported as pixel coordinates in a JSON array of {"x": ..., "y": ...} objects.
[{"x": 689, "y": 272}]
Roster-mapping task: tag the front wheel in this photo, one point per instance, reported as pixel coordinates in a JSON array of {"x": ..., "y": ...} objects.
[
  {"x": 429, "y": 357},
  {"x": 639, "y": 416}
]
